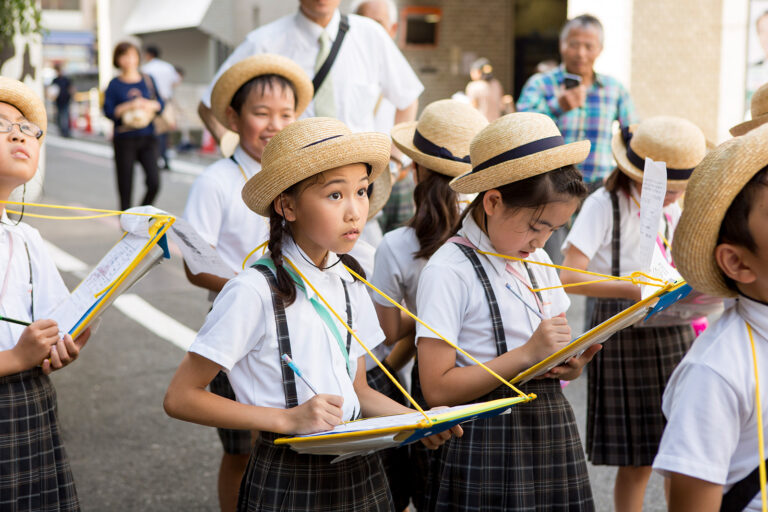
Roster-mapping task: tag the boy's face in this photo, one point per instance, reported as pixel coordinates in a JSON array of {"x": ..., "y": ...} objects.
[
  {"x": 264, "y": 113},
  {"x": 19, "y": 153}
]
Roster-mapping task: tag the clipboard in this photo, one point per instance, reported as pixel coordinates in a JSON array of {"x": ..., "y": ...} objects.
[
  {"x": 368, "y": 435},
  {"x": 130, "y": 259},
  {"x": 600, "y": 333}
]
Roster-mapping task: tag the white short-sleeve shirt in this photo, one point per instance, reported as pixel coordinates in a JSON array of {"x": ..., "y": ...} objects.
[
  {"x": 450, "y": 297},
  {"x": 164, "y": 75},
  {"x": 217, "y": 211},
  {"x": 239, "y": 334},
  {"x": 709, "y": 402},
  {"x": 592, "y": 231},
  {"x": 368, "y": 64},
  {"x": 47, "y": 288},
  {"x": 397, "y": 271}
]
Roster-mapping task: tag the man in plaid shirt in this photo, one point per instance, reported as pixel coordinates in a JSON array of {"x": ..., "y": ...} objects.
[{"x": 588, "y": 110}]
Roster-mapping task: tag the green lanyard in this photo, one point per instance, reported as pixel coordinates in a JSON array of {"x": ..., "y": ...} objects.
[{"x": 320, "y": 309}]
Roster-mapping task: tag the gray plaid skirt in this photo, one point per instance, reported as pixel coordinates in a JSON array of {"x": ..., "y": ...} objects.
[
  {"x": 34, "y": 470},
  {"x": 280, "y": 479},
  {"x": 626, "y": 381},
  {"x": 530, "y": 459},
  {"x": 234, "y": 442}
]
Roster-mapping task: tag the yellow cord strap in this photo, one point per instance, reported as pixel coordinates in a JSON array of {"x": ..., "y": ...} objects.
[
  {"x": 419, "y": 320},
  {"x": 105, "y": 213},
  {"x": 354, "y": 334},
  {"x": 260, "y": 246},
  {"x": 760, "y": 440}
]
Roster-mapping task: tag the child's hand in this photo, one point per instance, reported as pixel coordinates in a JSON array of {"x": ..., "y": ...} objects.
[
  {"x": 435, "y": 441},
  {"x": 551, "y": 335},
  {"x": 322, "y": 412},
  {"x": 35, "y": 343},
  {"x": 65, "y": 351},
  {"x": 572, "y": 368}
]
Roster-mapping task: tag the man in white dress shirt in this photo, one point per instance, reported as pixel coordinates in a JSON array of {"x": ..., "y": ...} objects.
[
  {"x": 368, "y": 65},
  {"x": 166, "y": 78}
]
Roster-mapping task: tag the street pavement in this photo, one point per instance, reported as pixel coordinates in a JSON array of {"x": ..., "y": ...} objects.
[{"x": 126, "y": 454}]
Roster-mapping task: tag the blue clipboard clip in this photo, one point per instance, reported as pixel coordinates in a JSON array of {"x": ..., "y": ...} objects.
[{"x": 668, "y": 299}]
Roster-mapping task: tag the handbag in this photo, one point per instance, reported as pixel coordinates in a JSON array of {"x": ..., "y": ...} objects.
[{"x": 165, "y": 121}]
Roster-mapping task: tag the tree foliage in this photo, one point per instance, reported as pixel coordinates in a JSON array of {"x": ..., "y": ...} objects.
[{"x": 19, "y": 17}]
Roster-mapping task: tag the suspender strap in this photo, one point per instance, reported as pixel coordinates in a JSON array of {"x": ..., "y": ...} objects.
[
  {"x": 534, "y": 283},
  {"x": 493, "y": 305},
  {"x": 744, "y": 491},
  {"x": 322, "y": 73},
  {"x": 616, "y": 238},
  {"x": 283, "y": 339},
  {"x": 349, "y": 315}
]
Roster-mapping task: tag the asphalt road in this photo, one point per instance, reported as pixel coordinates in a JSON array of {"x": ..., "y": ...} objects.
[{"x": 126, "y": 454}]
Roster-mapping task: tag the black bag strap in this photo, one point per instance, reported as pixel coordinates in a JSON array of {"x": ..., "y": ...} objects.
[
  {"x": 283, "y": 339},
  {"x": 349, "y": 315},
  {"x": 616, "y": 236},
  {"x": 742, "y": 493},
  {"x": 322, "y": 73}
]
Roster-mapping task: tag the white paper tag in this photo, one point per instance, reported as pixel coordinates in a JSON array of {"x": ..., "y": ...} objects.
[
  {"x": 198, "y": 254},
  {"x": 651, "y": 206}
]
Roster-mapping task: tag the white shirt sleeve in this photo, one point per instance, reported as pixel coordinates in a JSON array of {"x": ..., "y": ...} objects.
[
  {"x": 387, "y": 275},
  {"x": 244, "y": 50},
  {"x": 702, "y": 432},
  {"x": 237, "y": 323},
  {"x": 592, "y": 228},
  {"x": 48, "y": 286},
  {"x": 365, "y": 322},
  {"x": 205, "y": 208},
  {"x": 399, "y": 83},
  {"x": 441, "y": 300}
]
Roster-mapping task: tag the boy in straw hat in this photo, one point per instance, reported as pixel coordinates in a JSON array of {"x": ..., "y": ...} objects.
[
  {"x": 627, "y": 378},
  {"x": 438, "y": 144},
  {"x": 478, "y": 290},
  {"x": 255, "y": 98},
  {"x": 34, "y": 469},
  {"x": 709, "y": 449},
  {"x": 313, "y": 188},
  {"x": 758, "y": 107}
]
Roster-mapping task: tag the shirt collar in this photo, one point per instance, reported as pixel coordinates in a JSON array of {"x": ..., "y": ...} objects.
[
  {"x": 311, "y": 272},
  {"x": 754, "y": 312},
  {"x": 472, "y": 232},
  {"x": 313, "y": 30},
  {"x": 249, "y": 164}
]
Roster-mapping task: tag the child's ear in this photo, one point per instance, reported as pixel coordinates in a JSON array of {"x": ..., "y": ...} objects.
[
  {"x": 233, "y": 119},
  {"x": 492, "y": 202},
  {"x": 285, "y": 205},
  {"x": 730, "y": 259}
]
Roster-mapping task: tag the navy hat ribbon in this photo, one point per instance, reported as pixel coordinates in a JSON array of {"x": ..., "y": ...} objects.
[
  {"x": 530, "y": 148},
  {"x": 639, "y": 162},
  {"x": 430, "y": 148}
]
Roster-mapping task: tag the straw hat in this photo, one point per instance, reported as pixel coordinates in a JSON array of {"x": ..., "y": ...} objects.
[
  {"x": 440, "y": 139},
  {"x": 711, "y": 190},
  {"x": 309, "y": 147},
  {"x": 382, "y": 188},
  {"x": 673, "y": 140},
  {"x": 759, "y": 108},
  {"x": 265, "y": 64},
  {"x": 515, "y": 147},
  {"x": 23, "y": 98}
]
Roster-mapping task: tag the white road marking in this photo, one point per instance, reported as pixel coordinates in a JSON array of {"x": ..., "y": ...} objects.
[{"x": 130, "y": 304}]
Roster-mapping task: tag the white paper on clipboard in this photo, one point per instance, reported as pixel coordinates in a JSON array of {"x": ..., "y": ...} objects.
[{"x": 651, "y": 209}]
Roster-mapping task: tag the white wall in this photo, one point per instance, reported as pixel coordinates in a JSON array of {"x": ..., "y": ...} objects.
[{"x": 732, "y": 68}]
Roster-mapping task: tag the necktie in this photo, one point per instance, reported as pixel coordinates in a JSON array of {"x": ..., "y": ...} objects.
[{"x": 325, "y": 106}]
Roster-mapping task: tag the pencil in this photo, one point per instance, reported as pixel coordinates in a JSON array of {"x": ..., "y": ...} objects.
[
  {"x": 13, "y": 321},
  {"x": 524, "y": 303},
  {"x": 287, "y": 359}
]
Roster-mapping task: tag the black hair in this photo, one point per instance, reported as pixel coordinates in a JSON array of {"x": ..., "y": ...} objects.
[
  {"x": 261, "y": 83},
  {"x": 153, "y": 50},
  {"x": 285, "y": 288},
  {"x": 561, "y": 184},
  {"x": 437, "y": 211},
  {"x": 618, "y": 181},
  {"x": 121, "y": 49},
  {"x": 735, "y": 228}
]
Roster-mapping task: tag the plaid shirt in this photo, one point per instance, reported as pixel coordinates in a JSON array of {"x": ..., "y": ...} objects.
[{"x": 607, "y": 101}]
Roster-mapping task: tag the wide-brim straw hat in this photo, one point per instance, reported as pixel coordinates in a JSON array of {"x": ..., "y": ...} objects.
[
  {"x": 309, "y": 147},
  {"x": 440, "y": 139},
  {"x": 25, "y": 100},
  {"x": 515, "y": 147},
  {"x": 382, "y": 188},
  {"x": 264, "y": 64},
  {"x": 677, "y": 142},
  {"x": 711, "y": 190},
  {"x": 758, "y": 107}
]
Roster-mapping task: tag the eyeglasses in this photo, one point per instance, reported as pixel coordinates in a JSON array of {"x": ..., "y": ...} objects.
[{"x": 25, "y": 127}]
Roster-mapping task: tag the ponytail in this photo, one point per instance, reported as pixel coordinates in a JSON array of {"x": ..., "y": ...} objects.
[
  {"x": 285, "y": 288},
  {"x": 437, "y": 212}
]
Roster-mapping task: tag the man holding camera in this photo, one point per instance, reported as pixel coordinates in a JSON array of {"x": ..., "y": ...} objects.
[{"x": 583, "y": 103}]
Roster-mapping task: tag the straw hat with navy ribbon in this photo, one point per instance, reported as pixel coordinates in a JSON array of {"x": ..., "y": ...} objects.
[
  {"x": 673, "y": 140},
  {"x": 25, "y": 100},
  {"x": 515, "y": 147},
  {"x": 264, "y": 64},
  {"x": 440, "y": 139},
  {"x": 712, "y": 188},
  {"x": 309, "y": 147},
  {"x": 378, "y": 193},
  {"x": 758, "y": 108}
]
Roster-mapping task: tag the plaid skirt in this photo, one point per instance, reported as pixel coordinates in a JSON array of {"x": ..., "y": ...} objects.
[
  {"x": 34, "y": 470},
  {"x": 279, "y": 479},
  {"x": 626, "y": 381},
  {"x": 529, "y": 459},
  {"x": 394, "y": 460},
  {"x": 234, "y": 442}
]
